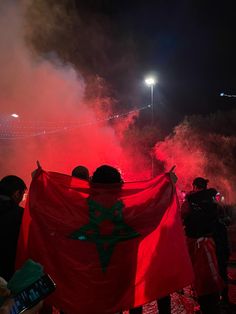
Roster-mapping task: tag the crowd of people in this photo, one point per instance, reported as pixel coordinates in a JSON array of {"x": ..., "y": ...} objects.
[{"x": 203, "y": 221}]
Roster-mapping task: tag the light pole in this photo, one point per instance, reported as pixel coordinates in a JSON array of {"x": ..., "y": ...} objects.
[{"x": 151, "y": 81}]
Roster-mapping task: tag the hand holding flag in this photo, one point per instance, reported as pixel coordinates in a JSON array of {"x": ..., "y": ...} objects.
[
  {"x": 121, "y": 258},
  {"x": 172, "y": 174},
  {"x": 35, "y": 170}
]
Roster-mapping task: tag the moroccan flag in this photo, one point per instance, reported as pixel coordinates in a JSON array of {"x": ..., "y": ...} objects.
[{"x": 107, "y": 247}]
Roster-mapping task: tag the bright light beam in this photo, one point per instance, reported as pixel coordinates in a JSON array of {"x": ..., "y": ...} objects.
[
  {"x": 15, "y": 115},
  {"x": 150, "y": 81},
  {"x": 227, "y": 95}
]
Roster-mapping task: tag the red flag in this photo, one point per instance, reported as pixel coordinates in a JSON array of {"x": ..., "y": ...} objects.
[{"x": 108, "y": 248}]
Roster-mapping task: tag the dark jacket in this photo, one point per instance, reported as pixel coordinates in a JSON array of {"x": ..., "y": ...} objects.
[
  {"x": 200, "y": 213},
  {"x": 10, "y": 222},
  {"x": 202, "y": 217}
]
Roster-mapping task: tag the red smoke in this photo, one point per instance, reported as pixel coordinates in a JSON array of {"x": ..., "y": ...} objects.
[
  {"x": 52, "y": 94},
  {"x": 197, "y": 151}
]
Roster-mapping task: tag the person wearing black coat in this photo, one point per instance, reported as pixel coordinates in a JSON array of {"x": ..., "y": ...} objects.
[{"x": 12, "y": 189}]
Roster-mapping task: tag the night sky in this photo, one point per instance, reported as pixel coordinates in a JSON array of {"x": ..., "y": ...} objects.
[{"x": 189, "y": 45}]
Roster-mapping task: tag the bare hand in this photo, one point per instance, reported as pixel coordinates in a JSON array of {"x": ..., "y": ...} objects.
[
  {"x": 38, "y": 167},
  {"x": 172, "y": 174}
]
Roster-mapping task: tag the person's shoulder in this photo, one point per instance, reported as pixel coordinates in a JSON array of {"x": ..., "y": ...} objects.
[
  {"x": 9, "y": 208},
  {"x": 5, "y": 205},
  {"x": 203, "y": 196},
  {"x": 212, "y": 192},
  {"x": 190, "y": 196}
]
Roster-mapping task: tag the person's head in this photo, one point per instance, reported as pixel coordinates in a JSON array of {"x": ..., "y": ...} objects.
[
  {"x": 13, "y": 187},
  {"x": 199, "y": 184},
  {"x": 80, "y": 172},
  {"x": 106, "y": 174}
]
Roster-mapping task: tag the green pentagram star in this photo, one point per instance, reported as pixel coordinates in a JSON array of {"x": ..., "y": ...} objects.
[{"x": 105, "y": 242}]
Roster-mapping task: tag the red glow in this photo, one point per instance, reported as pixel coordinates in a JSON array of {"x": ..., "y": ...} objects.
[
  {"x": 199, "y": 154},
  {"x": 44, "y": 92}
]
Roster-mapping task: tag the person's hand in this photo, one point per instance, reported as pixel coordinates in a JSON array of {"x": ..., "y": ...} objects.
[
  {"x": 34, "y": 309},
  {"x": 172, "y": 175},
  {"x": 38, "y": 167},
  {"x": 4, "y": 292},
  {"x": 7, "y": 306}
]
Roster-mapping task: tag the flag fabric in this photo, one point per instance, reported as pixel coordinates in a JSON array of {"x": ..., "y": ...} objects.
[
  {"x": 108, "y": 247},
  {"x": 207, "y": 279}
]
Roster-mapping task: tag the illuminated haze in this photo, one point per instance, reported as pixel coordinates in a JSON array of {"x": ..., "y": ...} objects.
[
  {"x": 50, "y": 60},
  {"x": 45, "y": 91},
  {"x": 203, "y": 146}
]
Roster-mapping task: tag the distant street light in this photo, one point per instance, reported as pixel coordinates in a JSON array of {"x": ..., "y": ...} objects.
[
  {"x": 227, "y": 95},
  {"x": 15, "y": 115},
  {"x": 151, "y": 81}
]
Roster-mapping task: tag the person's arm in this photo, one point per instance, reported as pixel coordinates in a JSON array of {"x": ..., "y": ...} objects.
[
  {"x": 38, "y": 167},
  {"x": 173, "y": 175}
]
